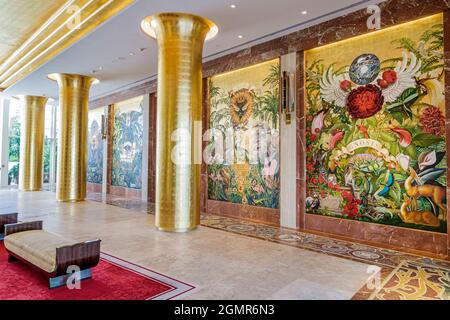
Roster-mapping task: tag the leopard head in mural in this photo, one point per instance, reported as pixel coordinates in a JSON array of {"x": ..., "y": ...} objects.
[{"x": 241, "y": 106}]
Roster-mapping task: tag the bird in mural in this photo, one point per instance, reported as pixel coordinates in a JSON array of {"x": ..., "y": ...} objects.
[
  {"x": 313, "y": 202},
  {"x": 319, "y": 158},
  {"x": 337, "y": 136},
  {"x": 225, "y": 176},
  {"x": 332, "y": 171},
  {"x": 363, "y": 129},
  {"x": 388, "y": 182},
  {"x": 404, "y": 136}
]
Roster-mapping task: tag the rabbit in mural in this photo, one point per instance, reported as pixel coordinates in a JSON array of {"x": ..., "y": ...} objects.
[
  {"x": 425, "y": 218},
  {"x": 435, "y": 194}
]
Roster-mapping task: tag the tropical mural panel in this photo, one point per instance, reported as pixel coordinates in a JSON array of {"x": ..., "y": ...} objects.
[
  {"x": 375, "y": 134},
  {"x": 127, "y": 145},
  {"x": 95, "y": 146},
  {"x": 245, "y": 102}
]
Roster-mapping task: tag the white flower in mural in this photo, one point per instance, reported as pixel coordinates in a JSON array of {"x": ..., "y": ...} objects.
[
  {"x": 427, "y": 159},
  {"x": 406, "y": 72},
  {"x": 330, "y": 88},
  {"x": 403, "y": 160}
]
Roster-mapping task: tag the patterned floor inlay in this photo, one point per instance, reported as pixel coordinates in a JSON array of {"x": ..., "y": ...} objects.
[
  {"x": 411, "y": 280},
  {"x": 400, "y": 276}
]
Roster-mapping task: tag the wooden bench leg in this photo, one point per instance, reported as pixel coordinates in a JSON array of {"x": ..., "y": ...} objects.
[
  {"x": 62, "y": 280},
  {"x": 11, "y": 258}
]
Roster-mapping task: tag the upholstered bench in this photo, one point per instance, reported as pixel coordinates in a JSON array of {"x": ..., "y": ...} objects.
[
  {"x": 50, "y": 253},
  {"x": 6, "y": 218}
]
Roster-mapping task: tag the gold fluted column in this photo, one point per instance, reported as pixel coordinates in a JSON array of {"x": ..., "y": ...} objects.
[
  {"x": 32, "y": 143},
  {"x": 72, "y": 137},
  {"x": 180, "y": 39}
]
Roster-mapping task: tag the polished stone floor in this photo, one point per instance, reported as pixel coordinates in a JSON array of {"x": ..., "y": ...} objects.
[{"x": 232, "y": 259}]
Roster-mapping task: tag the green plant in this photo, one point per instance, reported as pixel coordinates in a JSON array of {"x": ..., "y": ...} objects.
[{"x": 14, "y": 140}]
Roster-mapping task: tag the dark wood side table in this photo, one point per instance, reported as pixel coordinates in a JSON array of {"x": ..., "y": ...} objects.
[{"x": 6, "y": 218}]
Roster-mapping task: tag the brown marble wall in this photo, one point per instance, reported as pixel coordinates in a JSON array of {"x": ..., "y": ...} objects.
[
  {"x": 109, "y": 142},
  {"x": 387, "y": 236},
  {"x": 127, "y": 193},
  {"x": 152, "y": 149},
  {"x": 301, "y": 126},
  {"x": 94, "y": 187},
  {"x": 140, "y": 90},
  {"x": 257, "y": 214},
  {"x": 205, "y": 126}
]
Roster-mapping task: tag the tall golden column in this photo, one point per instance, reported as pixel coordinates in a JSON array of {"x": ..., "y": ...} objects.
[
  {"x": 72, "y": 137},
  {"x": 32, "y": 143},
  {"x": 180, "y": 39}
]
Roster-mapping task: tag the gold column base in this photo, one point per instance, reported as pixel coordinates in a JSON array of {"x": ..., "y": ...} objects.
[{"x": 177, "y": 230}]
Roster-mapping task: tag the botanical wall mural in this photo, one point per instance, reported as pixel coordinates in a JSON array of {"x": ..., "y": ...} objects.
[
  {"x": 375, "y": 132},
  {"x": 127, "y": 145},
  {"x": 95, "y": 146},
  {"x": 244, "y": 103}
]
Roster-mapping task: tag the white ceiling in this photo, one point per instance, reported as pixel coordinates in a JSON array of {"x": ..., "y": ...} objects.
[{"x": 257, "y": 20}]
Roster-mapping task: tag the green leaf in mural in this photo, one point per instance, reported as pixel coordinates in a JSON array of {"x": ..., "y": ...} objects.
[
  {"x": 397, "y": 115},
  {"x": 395, "y": 192},
  {"x": 425, "y": 140},
  {"x": 386, "y": 137},
  {"x": 411, "y": 151},
  {"x": 394, "y": 149},
  {"x": 403, "y": 104}
]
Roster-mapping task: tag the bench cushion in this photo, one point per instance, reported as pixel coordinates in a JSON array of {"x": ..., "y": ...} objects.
[{"x": 37, "y": 247}]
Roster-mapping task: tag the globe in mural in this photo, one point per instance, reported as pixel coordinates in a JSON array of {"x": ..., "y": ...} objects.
[{"x": 365, "y": 69}]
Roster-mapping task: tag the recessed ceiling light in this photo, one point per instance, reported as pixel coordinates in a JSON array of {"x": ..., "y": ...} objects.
[
  {"x": 240, "y": 36},
  {"x": 131, "y": 53},
  {"x": 233, "y": 6},
  {"x": 100, "y": 68},
  {"x": 304, "y": 12}
]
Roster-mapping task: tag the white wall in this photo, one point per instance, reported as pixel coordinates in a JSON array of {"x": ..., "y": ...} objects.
[{"x": 4, "y": 141}]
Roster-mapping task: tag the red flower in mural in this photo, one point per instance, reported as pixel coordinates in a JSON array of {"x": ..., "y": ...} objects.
[
  {"x": 390, "y": 76},
  {"x": 365, "y": 101},
  {"x": 346, "y": 85},
  {"x": 351, "y": 205},
  {"x": 432, "y": 121}
]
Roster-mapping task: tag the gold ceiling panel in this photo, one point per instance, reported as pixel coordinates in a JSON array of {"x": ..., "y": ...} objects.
[
  {"x": 34, "y": 31},
  {"x": 19, "y": 19}
]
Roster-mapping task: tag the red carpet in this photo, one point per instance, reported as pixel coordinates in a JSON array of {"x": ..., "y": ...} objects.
[{"x": 115, "y": 279}]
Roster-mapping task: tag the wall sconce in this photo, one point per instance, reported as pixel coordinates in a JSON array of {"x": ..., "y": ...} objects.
[
  {"x": 287, "y": 95},
  {"x": 104, "y": 127}
]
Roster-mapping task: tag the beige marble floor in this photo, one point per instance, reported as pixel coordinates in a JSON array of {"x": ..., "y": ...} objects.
[{"x": 221, "y": 265}]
